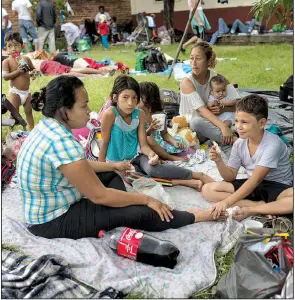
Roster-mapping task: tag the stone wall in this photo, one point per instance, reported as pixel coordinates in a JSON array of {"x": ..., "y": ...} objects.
[{"x": 84, "y": 9}]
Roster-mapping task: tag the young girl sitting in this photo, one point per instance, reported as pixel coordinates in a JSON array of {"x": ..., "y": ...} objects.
[
  {"x": 123, "y": 135},
  {"x": 161, "y": 142}
]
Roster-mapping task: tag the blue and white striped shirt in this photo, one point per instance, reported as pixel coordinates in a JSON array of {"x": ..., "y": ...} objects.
[{"x": 45, "y": 191}]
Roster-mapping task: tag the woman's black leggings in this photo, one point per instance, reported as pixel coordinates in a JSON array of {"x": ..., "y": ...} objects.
[{"x": 86, "y": 219}]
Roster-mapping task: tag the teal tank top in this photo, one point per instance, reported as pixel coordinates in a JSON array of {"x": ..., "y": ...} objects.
[{"x": 123, "y": 141}]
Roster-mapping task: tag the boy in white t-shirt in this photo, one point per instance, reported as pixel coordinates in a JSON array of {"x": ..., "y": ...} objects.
[
  {"x": 268, "y": 189},
  {"x": 23, "y": 8}
]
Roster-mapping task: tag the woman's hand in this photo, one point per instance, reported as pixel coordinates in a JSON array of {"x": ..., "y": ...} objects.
[
  {"x": 227, "y": 135},
  {"x": 214, "y": 107},
  {"x": 123, "y": 166},
  {"x": 153, "y": 158},
  {"x": 162, "y": 209},
  {"x": 154, "y": 125}
]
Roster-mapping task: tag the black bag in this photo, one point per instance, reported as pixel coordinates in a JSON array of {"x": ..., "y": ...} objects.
[
  {"x": 251, "y": 275},
  {"x": 286, "y": 90},
  {"x": 170, "y": 100},
  {"x": 155, "y": 61}
]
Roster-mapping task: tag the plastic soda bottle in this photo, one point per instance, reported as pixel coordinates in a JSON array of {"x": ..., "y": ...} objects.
[{"x": 142, "y": 247}]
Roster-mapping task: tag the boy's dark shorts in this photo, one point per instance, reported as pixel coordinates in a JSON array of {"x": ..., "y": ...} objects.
[{"x": 268, "y": 191}]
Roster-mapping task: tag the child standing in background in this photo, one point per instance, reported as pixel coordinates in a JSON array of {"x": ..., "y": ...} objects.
[
  {"x": 160, "y": 141},
  {"x": 123, "y": 136},
  {"x": 18, "y": 69},
  {"x": 104, "y": 32},
  {"x": 114, "y": 30}
]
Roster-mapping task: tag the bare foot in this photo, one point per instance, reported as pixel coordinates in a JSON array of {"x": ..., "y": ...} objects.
[
  {"x": 204, "y": 215},
  {"x": 241, "y": 214},
  {"x": 179, "y": 158},
  {"x": 196, "y": 184}
]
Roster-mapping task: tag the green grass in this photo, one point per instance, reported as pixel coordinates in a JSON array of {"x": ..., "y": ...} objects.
[{"x": 248, "y": 71}]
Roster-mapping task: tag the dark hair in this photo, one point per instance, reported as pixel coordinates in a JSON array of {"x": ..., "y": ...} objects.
[
  {"x": 101, "y": 6},
  {"x": 124, "y": 82},
  {"x": 210, "y": 54},
  {"x": 254, "y": 105},
  {"x": 59, "y": 93},
  {"x": 13, "y": 36},
  {"x": 114, "y": 19},
  {"x": 150, "y": 96},
  {"x": 220, "y": 79}
]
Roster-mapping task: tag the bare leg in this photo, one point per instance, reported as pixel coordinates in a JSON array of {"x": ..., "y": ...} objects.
[
  {"x": 195, "y": 184},
  {"x": 29, "y": 112},
  {"x": 161, "y": 152},
  {"x": 15, "y": 101},
  {"x": 36, "y": 45},
  {"x": 282, "y": 205},
  {"x": 91, "y": 71},
  {"x": 204, "y": 215},
  {"x": 203, "y": 177},
  {"x": 217, "y": 191},
  {"x": 192, "y": 40}
]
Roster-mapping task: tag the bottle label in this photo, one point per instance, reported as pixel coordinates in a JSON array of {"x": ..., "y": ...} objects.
[{"x": 129, "y": 243}]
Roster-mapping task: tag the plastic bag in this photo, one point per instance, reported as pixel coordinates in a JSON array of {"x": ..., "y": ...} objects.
[
  {"x": 251, "y": 275},
  {"x": 154, "y": 189}
]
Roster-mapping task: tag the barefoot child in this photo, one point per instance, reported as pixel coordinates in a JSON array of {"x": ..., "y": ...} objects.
[
  {"x": 268, "y": 190},
  {"x": 17, "y": 68},
  {"x": 161, "y": 142},
  {"x": 123, "y": 135},
  {"x": 218, "y": 95}
]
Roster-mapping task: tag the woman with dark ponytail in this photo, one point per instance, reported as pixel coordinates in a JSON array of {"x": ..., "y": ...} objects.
[{"x": 67, "y": 196}]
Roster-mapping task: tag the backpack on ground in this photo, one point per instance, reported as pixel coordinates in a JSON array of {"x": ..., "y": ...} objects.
[
  {"x": 155, "y": 61},
  {"x": 286, "y": 90},
  {"x": 139, "y": 65},
  {"x": 170, "y": 100}
]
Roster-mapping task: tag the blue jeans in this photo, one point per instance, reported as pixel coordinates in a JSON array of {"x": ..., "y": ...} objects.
[
  {"x": 222, "y": 29},
  {"x": 27, "y": 27},
  {"x": 243, "y": 28}
]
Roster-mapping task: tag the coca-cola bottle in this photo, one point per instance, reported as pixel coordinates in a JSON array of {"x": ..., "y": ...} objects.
[{"x": 143, "y": 247}]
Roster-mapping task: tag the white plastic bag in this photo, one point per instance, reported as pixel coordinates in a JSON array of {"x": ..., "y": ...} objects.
[{"x": 153, "y": 189}]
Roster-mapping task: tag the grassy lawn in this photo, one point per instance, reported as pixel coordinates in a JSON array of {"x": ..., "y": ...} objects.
[{"x": 248, "y": 71}]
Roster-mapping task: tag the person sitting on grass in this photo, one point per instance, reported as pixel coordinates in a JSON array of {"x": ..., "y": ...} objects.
[
  {"x": 161, "y": 142},
  {"x": 18, "y": 69},
  {"x": 268, "y": 189}
]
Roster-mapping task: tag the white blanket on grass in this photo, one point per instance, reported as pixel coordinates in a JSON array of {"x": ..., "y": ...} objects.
[{"x": 93, "y": 262}]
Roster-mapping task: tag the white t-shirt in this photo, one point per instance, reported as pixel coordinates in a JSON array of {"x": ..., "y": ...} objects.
[
  {"x": 107, "y": 15},
  {"x": 271, "y": 153},
  {"x": 189, "y": 103},
  {"x": 22, "y": 8},
  {"x": 4, "y": 14}
]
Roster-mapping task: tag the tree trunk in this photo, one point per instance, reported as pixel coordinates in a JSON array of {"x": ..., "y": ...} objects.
[{"x": 169, "y": 16}]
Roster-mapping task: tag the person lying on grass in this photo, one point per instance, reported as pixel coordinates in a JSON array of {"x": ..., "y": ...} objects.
[{"x": 268, "y": 189}]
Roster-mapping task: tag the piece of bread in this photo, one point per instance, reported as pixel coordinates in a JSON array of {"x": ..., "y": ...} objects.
[{"x": 216, "y": 147}]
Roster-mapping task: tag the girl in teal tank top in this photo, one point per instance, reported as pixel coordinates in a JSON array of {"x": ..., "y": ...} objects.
[{"x": 124, "y": 136}]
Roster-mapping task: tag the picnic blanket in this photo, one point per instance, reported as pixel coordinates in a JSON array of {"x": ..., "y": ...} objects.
[
  {"x": 48, "y": 276},
  {"x": 94, "y": 263}
]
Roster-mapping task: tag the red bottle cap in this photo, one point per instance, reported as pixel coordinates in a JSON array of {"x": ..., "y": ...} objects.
[{"x": 101, "y": 234}]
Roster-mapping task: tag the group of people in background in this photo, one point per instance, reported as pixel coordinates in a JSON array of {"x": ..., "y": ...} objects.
[{"x": 45, "y": 20}]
